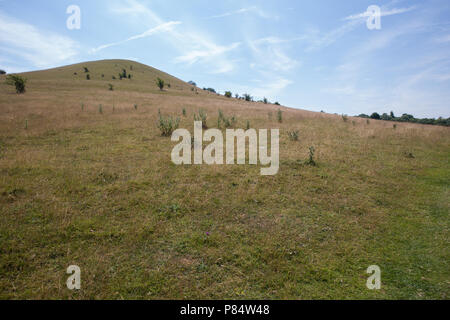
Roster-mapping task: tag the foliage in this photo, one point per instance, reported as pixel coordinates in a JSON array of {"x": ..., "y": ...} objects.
[
  {"x": 202, "y": 116},
  {"x": 228, "y": 94},
  {"x": 280, "y": 116},
  {"x": 293, "y": 135},
  {"x": 160, "y": 83},
  {"x": 17, "y": 81},
  {"x": 167, "y": 125}
]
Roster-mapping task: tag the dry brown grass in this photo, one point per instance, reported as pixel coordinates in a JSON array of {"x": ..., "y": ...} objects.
[{"x": 100, "y": 191}]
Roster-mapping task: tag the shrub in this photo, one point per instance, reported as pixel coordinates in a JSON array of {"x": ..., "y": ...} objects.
[
  {"x": 184, "y": 112},
  {"x": 17, "y": 81},
  {"x": 192, "y": 83},
  {"x": 2, "y": 71},
  {"x": 248, "y": 97},
  {"x": 160, "y": 83},
  {"x": 395, "y": 126},
  {"x": 100, "y": 109},
  {"x": 88, "y": 77},
  {"x": 280, "y": 116},
  {"x": 103, "y": 75},
  {"x": 167, "y": 125},
  {"x": 129, "y": 76},
  {"x": 201, "y": 117},
  {"x": 135, "y": 107},
  {"x": 111, "y": 87},
  {"x": 228, "y": 94},
  {"x": 345, "y": 117},
  {"x": 277, "y": 103},
  {"x": 293, "y": 135},
  {"x": 86, "y": 70},
  {"x": 210, "y": 90},
  {"x": 236, "y": 96},
  {"x": 265, "y": 100},
  {"x": 113, "y": 77}
]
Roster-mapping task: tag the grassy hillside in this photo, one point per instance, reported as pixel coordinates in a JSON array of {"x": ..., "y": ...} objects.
[{"x": 99, "y": 190}]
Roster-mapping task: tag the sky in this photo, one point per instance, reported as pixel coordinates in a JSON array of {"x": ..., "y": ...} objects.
[{"x": 314, "y": 55}]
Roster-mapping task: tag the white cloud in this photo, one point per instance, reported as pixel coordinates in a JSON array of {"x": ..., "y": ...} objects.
[
  {"x": 164, "y": 27},
  {"x": 253, "y": 9},
  {"x": 41, "y": 48},
  {"x": 194, "y": 46}
]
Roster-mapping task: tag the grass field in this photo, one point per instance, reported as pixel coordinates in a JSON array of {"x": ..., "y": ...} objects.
[{"x": 99, "y": 190}]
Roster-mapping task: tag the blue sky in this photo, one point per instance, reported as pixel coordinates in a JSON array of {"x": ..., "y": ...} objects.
[{"x": 315, "y": 55}]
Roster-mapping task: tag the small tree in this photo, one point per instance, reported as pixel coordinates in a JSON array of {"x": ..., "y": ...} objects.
[
  {"x": 265, "y": 100},
  {"x": 2, "y": 71},
  {"x": 228, "y": 94},
  {"x": 160, "y": 83},
  {"x": 17, "y": 81},
  {"x": 86, "y": 70},
  {"x": 88, "y": 77}
]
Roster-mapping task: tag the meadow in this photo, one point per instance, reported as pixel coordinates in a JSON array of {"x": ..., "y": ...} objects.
[{"x": 95, "y": 187}]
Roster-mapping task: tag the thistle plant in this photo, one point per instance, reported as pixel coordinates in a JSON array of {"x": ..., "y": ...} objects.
[
  {"x": 201, "y": 117},
  {"x": 167, "y": 125},
  {"x": 311, "y": 160}
]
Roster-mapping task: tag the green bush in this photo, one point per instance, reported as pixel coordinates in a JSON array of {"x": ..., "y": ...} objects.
[
  {"x": 247, "y": 97},
  {"x": 265, "y": 100},
  {"x": 167, "y": 125},
  {"x": 160, "y": 83},
  {"x": 228, "y": 94},
  {"x": 17, "y": 81},
  {"x": 111, "y": 87},
  {"x": 88, "y": 77},
  {"x": 184, "y": 112},
  {"x": 2, "y": 71}
]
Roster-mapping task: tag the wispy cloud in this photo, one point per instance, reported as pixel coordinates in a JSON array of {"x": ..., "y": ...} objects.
[
  {"x": 269, "y": 54},
  {"x": 194, "y": 46},
  {"x": 384, "y": 13},
  {"x": 211, "y": 51},
  {"x": 259, "y": 12},
  {"x": 164, "y": 27},
  {"x": 41, "y": 48}
]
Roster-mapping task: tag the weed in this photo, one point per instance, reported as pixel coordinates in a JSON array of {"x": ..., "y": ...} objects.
[
  {"x": 167, "y": 125},
  {"x": 202, "y": 116},
  {"x": 311, "y": 160},
  {"x": 293, "y": 135},
  {"x": 280, "y": 116}
]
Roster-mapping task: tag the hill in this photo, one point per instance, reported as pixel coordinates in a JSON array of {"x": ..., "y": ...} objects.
[{"x": 95, "y": 187}]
